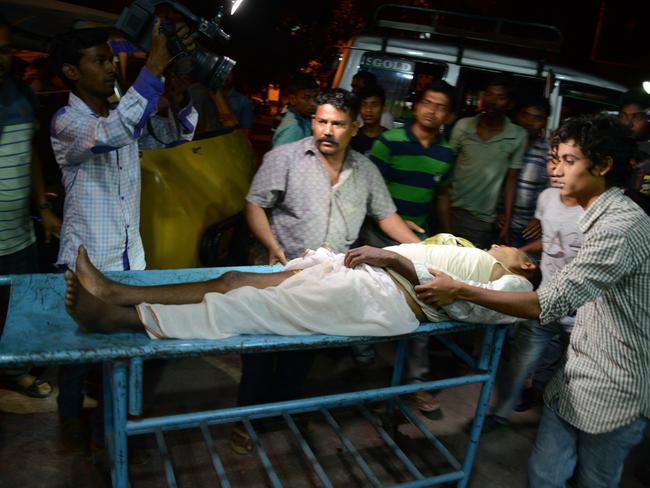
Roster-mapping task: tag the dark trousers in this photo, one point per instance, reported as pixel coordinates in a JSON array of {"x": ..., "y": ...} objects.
[
  {"x": 24, "y": 261},
  {"x": 273, "y": 377}
]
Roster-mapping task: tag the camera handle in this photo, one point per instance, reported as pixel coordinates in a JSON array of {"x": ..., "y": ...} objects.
[{"x": 210, "y": 29}]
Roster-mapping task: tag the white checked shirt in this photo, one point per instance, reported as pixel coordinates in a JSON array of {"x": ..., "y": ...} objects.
[
  {"x": 605, "y": 381},
  {"x": 100, "y": 167}
]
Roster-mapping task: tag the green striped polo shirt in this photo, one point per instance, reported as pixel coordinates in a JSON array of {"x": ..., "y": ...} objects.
[{"x": 412, "y": 172}]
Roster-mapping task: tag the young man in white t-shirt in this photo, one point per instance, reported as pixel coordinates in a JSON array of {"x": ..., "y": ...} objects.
[{"x": 559, "y": 244}]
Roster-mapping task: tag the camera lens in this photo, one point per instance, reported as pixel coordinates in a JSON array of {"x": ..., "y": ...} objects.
[{"x": 211, "y": 69}]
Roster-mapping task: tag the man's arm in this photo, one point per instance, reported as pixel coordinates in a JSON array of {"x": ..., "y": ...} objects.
[
  {"x": 259, "y": 225},
  {"x": 395, "y": 228},
  {"x": 373, "y": 256},
  {"x": 443, "y": 210},
  {"x": 444, "y": 290},
  {"x": 51, "y": 223},
  {"x": 534, "y": 247},
  {"x": 509, "y": 191}
]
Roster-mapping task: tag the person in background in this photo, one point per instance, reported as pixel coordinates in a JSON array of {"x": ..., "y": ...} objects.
[
  {"x": 372, "y": 100},
  {"x": 21, "y": 185},
  {"x": 532, "y": 116},
  {"x": 541, "y": 346},
  {"x": 416, "y": 162},
  {"x": 296, "y": 118},
  {"x": 490, "y": 151},
  {"x": 363, "y": 79},
  {"x": 634, "y": 112}
]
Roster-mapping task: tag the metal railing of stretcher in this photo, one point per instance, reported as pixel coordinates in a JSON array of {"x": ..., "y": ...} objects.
[{"x": 38, "y": 331}]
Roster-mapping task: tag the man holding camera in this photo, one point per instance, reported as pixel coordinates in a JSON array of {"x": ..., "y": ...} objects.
[{"x": 96, "y": 145}]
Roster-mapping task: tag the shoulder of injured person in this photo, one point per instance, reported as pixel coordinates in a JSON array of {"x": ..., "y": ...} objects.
[{"x": 500, "y": 268}]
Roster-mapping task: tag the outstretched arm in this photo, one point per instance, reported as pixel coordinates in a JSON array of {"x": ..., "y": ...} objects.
[{"x": 444, "y": 290}]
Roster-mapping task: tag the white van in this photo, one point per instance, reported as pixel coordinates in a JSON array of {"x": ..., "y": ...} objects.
[{"x": 403, "y": 50}]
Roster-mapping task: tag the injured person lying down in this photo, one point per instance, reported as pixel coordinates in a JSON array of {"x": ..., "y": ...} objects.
[{"x": 365, "y": 292}]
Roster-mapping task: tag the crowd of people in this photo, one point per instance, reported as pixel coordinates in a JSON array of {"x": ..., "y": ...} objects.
[{"x": 345, "y": 202}]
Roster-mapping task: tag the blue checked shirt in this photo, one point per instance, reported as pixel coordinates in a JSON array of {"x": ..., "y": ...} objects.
[{"x": 100, "y": 167}]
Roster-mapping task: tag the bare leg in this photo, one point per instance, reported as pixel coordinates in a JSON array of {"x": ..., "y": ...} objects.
[
  {"x": 116, "y": 293},
  {"x": 93, "y": 314}
]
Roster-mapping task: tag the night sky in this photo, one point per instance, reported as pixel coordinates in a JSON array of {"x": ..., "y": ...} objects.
[
  {"x": 271, "y": 38},
  {"x": 263, "y": 40}
]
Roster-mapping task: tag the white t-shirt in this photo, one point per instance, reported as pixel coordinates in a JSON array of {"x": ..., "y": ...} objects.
[{"x": 561, "y": 235}]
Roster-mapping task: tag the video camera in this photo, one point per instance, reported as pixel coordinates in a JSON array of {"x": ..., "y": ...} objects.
[{"x": 136, "y": 23}]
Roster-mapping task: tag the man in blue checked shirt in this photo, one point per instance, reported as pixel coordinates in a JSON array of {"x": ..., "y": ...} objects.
[{"x": 96, "y": 146}]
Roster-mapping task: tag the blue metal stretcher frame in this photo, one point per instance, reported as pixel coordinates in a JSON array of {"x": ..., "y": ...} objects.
[{"x": 38, "y": 331}]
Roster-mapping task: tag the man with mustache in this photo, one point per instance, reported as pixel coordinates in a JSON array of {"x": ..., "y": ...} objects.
[
  {"x": 96, "y": 145},
  {"x": 307, "y": 194},
  {"x": 490, "y": 150}
]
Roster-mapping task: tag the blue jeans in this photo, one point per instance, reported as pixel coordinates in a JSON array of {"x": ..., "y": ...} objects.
[
  {"x": 530, "y": 343},
  {"x": 600, "y": 457}
]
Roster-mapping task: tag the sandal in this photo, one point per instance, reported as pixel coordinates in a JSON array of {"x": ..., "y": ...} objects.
[
  {"x": 36, "y": 388},
  {"x": 240, "y": 442},
  {"x": 427, "y": 404}
]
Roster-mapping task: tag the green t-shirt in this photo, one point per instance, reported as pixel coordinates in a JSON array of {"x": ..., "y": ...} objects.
[{"x": 481, "y": 166}]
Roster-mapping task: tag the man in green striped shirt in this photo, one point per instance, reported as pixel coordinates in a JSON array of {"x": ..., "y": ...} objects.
[{"x": 416, "y": 161}]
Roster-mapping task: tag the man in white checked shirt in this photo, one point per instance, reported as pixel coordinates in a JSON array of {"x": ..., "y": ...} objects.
[
  {"x": 96, "y": 145},
  {"x": 598, "y": 403}
]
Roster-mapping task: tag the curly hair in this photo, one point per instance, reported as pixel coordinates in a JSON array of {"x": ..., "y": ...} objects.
[
  {"x": 600, "y": 137},
  {"x": 340, "y": 99}
]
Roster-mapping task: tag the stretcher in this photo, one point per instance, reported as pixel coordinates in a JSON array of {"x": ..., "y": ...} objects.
[{"x": 38, "y": 331}]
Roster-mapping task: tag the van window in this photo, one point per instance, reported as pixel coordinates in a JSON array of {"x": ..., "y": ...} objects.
[
  {"x": 401, "y": 78},
  {"x": 578, "y": 99},
  {"x": 472, "y": 81}
]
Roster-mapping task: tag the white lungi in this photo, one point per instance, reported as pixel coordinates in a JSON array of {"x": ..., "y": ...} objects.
[{"x": 325, "y": 298}]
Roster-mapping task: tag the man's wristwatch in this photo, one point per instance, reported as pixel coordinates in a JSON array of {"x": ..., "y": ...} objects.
[{"x": 45, "y": 206}]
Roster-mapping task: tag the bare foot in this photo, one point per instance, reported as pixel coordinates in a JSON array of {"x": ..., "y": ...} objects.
[
  {"x": 92, "y": 279},
  {"x": 93, "y": 314}
]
